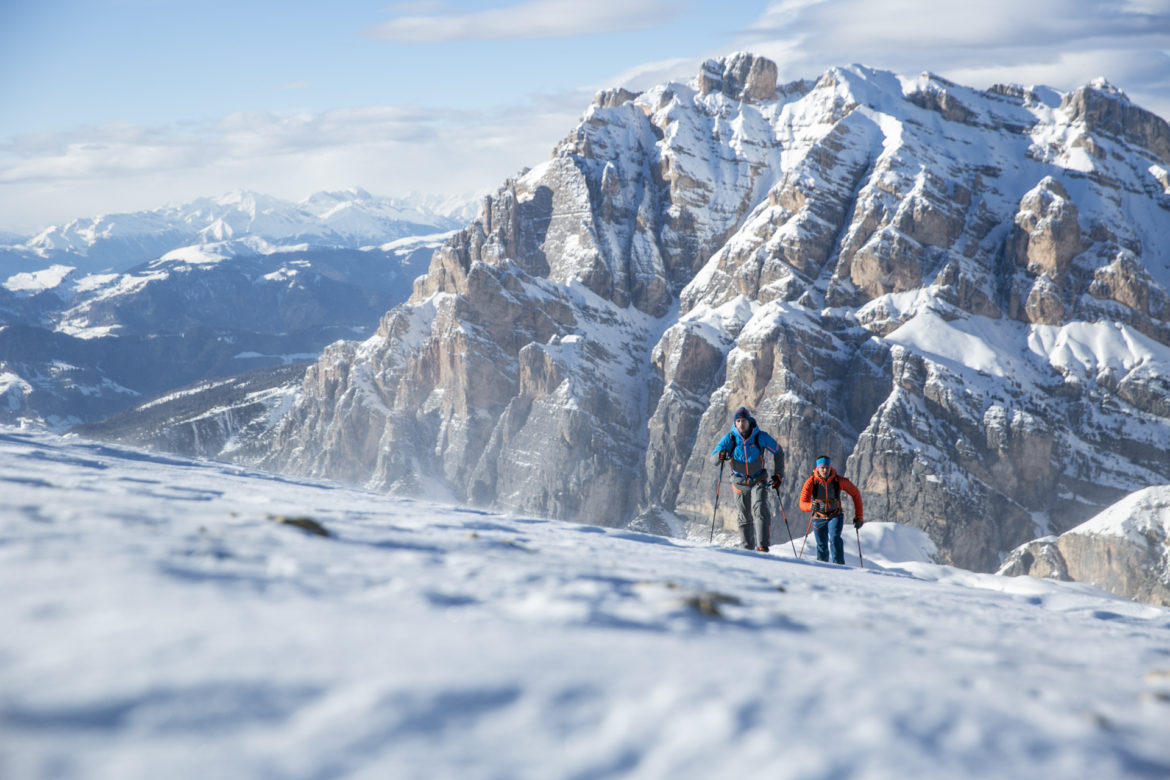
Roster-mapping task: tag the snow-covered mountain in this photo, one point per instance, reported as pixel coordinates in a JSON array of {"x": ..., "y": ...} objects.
[
  {"x": 959, "y": 294},
  {"x": 165, "y": 617},
  {"x": 213, "y": 288}
]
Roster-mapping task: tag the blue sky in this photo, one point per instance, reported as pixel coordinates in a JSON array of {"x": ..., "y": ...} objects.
[{"x": 115, "y": 105}]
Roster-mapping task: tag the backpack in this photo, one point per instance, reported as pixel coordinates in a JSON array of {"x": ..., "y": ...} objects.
[{"x": 832, "y": 503}]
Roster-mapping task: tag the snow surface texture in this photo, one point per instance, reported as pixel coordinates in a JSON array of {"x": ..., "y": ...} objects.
[{"x": 158, "y": 622}]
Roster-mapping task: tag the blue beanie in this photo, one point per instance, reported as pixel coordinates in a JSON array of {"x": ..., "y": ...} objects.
[
  {"x": 824, "y": 461},
  {"x": 742, "y": 412}
]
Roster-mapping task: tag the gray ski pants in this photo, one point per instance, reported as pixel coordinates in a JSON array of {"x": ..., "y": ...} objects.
[{"x": 755, "y": 518}]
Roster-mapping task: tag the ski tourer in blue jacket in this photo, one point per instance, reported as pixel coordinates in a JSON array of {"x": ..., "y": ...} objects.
[{"x": 744, "y": 445}]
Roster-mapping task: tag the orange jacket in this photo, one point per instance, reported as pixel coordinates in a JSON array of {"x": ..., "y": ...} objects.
[{"x": 817, "y": 489}]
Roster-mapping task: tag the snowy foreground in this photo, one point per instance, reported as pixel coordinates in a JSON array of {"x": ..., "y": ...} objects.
[{"x": 157, "y": 622}]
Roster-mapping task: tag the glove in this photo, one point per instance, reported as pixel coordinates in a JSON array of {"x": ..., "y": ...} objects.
[
  {"x": 818, "y": 507},
  {"x": 858, "y": 522},
  {"x": 775, "y": 483},
  {"x": 724, "y": 455}
]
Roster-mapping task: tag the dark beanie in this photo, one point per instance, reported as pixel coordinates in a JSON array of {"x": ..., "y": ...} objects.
[{"x": 742, "y": 412}]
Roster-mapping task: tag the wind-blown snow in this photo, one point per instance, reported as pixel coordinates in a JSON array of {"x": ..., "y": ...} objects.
[{"x": 159, "y": 623}]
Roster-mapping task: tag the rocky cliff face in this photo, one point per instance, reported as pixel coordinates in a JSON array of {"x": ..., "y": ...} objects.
[
  {"x": 960, "y": 295},
  {"x": 1123, "y": 550}
]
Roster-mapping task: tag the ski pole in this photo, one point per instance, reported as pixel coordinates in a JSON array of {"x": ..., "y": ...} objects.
[
  {"x": 860, "y": 560},
  {"x": 784, "y": 514},
  {"x": 802, "y": 543},
  {"x": 718, "y": 485}
]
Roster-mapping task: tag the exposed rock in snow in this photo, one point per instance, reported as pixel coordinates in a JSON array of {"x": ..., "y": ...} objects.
[{"x": 1124, "y": 550}]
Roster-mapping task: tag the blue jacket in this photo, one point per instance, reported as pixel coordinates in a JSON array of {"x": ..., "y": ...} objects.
[{"x": 747, "y": 454}]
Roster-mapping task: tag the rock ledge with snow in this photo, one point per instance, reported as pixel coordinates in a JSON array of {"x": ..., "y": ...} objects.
[{"x": 1124, "y": 550}]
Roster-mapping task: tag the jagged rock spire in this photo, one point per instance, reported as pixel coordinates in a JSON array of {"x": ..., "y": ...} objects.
[{"x": 741, "y": 76}]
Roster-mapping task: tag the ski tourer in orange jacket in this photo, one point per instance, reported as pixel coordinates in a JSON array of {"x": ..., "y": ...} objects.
[{"x": 821, "y": 495}]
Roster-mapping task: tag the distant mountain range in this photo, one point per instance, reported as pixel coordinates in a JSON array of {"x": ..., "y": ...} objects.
[
  {"x": 106, "y": 311},
  {"x": 347, "y": 219}
]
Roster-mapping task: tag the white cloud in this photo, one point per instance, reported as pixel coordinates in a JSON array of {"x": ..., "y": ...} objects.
[
  {"x": 1059, "y": 43},
  {"x": 388, "y": 150},
  {"x": 532, "y": 19}
]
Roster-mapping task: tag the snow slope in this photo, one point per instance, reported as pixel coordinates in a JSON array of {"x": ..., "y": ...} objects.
[
  {"x": 1144, "y": 512},
  {"x": 159, "y": 623}
]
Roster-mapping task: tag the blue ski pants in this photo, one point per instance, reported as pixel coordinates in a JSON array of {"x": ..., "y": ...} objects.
[{"x": 824, "y": 527}]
